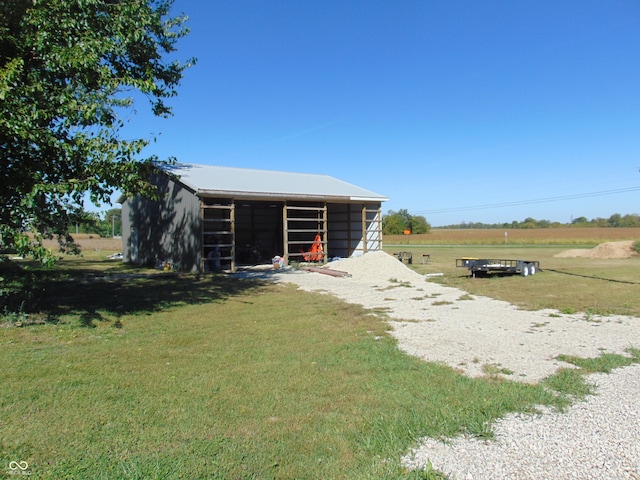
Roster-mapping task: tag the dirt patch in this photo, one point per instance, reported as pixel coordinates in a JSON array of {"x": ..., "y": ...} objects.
[{"x": 604, "y": 250}]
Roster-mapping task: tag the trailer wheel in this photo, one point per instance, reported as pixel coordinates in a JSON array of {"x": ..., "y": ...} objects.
[
  {"x": 525, "y": 270},
  {"x": 532, "y": 269}
]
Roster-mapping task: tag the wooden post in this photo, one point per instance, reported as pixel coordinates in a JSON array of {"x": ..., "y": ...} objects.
[
  {"x": 349, "y": 242},
  {"x": 202, "y": 241},
  {"x": 364, "y": 228},
  {"x": 325, "y": 227},
  {"x": 379, "y": 229},
  {"x": 285, "y": 234},
  {"x": 232, "y": 218}
]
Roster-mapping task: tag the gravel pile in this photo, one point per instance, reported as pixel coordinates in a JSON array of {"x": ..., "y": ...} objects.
[{"x": 598, "y": 438}]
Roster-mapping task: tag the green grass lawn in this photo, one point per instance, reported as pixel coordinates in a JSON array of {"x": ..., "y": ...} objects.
[
  {"x": 135, "y": 375},
  {"x": 594, "y": 286}
]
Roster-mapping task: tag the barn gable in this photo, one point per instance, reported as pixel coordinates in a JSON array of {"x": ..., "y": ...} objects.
[{"x": 215, "y": 217}]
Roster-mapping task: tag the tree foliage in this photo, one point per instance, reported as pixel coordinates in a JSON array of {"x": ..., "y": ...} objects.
[
  {"x": 616, "y": 220},
  {"x": 395, "y": 223},
  {"x": 69, "y": 71},
  {"x": 104, "y": 224}
]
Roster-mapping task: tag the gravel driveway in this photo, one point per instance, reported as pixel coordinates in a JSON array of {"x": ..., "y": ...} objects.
[{"x": 598, "y": 438}]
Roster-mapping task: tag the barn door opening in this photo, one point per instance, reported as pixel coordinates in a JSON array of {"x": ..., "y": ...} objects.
[
  {"x": 218, "y": 237},
  {"x": 305, "y": 232},
  {"x": 258, "y": 232},
  {"x": 371, "y": 228}
]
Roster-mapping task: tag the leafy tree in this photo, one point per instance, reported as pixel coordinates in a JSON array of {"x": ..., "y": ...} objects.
[
  {"x": 392, "y": 224},
  {"x": 419, "y": 224},
  {"x": 395, "y": 223},
  {"x": 615, "y": 220},
  {"x": 405, "y": 216},
  {"x": 630, "y": 220},
  {"x": 113, "y": 222},
  {"x": 69, "y": 71},
  {"x": 105, "y": 224}
]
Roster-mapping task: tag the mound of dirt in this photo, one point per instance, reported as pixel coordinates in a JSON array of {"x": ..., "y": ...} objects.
[{"x": 604, "y": 250}]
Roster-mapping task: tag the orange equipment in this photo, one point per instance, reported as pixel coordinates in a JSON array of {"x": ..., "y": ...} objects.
[{"x": 315, "y": 254}]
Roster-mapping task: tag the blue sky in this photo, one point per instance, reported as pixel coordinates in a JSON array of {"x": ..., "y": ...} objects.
[{"x": 458, "y": 110}]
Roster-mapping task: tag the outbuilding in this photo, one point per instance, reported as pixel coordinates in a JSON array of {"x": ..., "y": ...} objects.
[{"x": 218, "y": 218}]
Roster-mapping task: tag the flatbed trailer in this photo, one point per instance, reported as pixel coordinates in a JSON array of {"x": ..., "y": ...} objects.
[{"x": 484, "y": 266}]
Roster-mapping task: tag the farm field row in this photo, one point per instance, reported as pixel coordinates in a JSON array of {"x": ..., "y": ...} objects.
[
  {"x": 550, "y": 236},
  {"x": 537, "y": 236}
]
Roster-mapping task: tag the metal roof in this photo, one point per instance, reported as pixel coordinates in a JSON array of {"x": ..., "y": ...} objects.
[{"x": 207, "y": 180}]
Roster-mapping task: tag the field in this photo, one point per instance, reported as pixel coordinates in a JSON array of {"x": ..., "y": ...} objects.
[
  {"x": 591, "y": 285},
  {"x": 92, "y": 243},
  {"x": 540, "y": 236},
  {"x": 115, "y": 372},
  {"x": 536, "y": 236},
  {"x": 596, "y": 286}
]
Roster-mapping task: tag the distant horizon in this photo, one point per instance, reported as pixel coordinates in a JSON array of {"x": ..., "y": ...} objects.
[
  {"x": 521, "y": 220},
  {"x": 104, "y": 208},
  {"x": 551, "y": 223}
]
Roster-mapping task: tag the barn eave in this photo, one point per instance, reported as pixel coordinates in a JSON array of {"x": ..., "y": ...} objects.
[{"x": 272, "y": 196}]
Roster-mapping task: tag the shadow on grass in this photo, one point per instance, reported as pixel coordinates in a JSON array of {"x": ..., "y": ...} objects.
[
  {"x": 92, "y": 291},
  {"x": 564, "y": 272}
]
